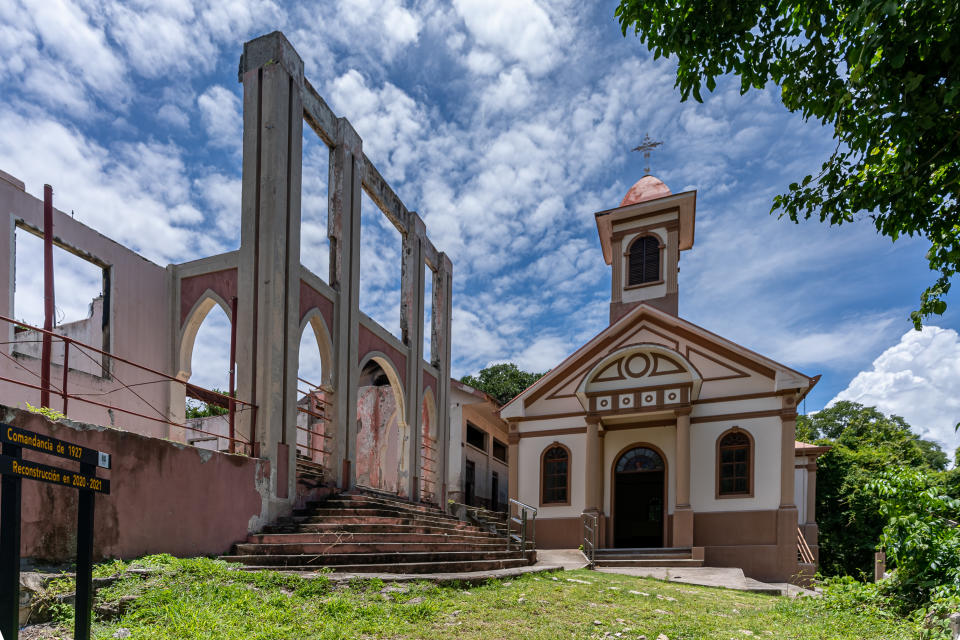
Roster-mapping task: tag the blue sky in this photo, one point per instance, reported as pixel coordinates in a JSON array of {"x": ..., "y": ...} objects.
[{"x": 506, "y": 124}]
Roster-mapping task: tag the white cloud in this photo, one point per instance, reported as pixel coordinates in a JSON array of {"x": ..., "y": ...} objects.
[
  {"x": 139, "y": 193},
  {"x": 174, "y": 116},
  {"x": 222, "y": 117},
  {"x": 919, "y": 379},
  {"x": 160, "y": 38},
  {"x": 518, "y": 30}
]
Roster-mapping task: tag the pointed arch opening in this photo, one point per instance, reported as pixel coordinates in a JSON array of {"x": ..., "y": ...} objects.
[
  {"x": 429, "y": 449},
  {"x": 315, "y": 393},
  {"x": 204, "y": 361}
]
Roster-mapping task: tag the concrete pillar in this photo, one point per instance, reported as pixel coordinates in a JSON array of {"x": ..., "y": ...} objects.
[
  {"x": 787, "y": 513},
  {"x": 343, "y": 223},
  {"x": 411, "y": 326},
  {"x": 513, "y": 462},
  {"x": 269, "y": 258},
  {"x": 594, "y": 474},
  {"x": 682, "y": 513},
  {"x": 440, "y": 349}
]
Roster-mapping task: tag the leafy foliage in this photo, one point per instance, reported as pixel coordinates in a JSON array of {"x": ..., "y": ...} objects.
[
  {"x": 197, "y": 409},
  {"x": 921, "y": 537},
  {"x": 865, "y": 443},
  {"x": 502, "y": 382},
  {"x": 884, "y": 74}
]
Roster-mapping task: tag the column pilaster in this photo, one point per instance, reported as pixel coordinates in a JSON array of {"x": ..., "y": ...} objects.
[
  {"x": 682, "y": 512},
  {"x": 594, "y": 478}
]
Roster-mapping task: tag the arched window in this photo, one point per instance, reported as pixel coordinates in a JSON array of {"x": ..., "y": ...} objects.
[
  {"x": 644, "y": 261},
  {"x": 555, "y": 475},
  {"x": 735, "y": 464}
]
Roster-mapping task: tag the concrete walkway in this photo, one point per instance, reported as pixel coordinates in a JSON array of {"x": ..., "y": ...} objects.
[{"x": 725, "y": 577}]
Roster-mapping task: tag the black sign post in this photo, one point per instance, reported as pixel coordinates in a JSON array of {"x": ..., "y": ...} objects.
[{"x": 13, "y": 469}]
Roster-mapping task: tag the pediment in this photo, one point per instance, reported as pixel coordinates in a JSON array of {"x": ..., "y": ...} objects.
[
  {"x": 640, "y": 377},
  {"x": 681, "y": 348}
]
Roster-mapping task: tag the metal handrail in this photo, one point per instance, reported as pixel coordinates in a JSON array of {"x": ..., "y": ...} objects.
[
  {"x": 590, "y": 523},
  {"x": 522, "y": 521}
]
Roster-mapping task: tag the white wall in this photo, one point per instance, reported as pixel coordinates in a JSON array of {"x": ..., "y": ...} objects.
[
  {"x": 766, "y": 465},
  {"x": 529, "y": 474},
  {"x": 455, "y": 460}
]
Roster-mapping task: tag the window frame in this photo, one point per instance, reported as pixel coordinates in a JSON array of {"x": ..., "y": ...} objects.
[
  {"x": 751, "y": 467},
  {"x": 543, "y": 484},
  {"x": 493, "y": 447},
  {"x": 628, "y": 254},
  {"x": 466, "y": 437}
]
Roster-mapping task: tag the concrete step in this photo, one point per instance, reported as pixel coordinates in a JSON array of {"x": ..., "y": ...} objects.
[
  {"x": 348, "y": 546},
  {"x": 348, "y": 499},
  {"x": 336, "y": 559},
  {"x": 649, "y": 562},
  {"x": 363, "y": 536},
  {"x": 407, "y": 568},
  {"x": 391, "y": 526},
  {"x": 352, "y": 517}
]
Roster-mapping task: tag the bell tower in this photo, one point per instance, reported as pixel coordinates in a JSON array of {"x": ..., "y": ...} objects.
[{"x": 642, "y": 240}]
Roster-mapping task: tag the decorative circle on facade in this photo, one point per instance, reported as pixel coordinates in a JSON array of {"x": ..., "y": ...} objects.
[
  {"x": 604, "y": 403},
  {"x": 640, "y": 459},
  {"x": 648, "y": 398},
  {"x": 672, "y": 396},
  {"x": 630, "y": 366}
]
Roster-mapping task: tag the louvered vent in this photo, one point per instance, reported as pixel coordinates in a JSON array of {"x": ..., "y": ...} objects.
[{"x": 644, "y": 261}]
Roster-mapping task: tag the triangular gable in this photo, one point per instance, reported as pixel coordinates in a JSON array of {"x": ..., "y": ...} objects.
[{"x": 721, "y": 359}]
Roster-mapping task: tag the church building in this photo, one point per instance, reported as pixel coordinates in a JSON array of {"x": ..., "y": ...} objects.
[{"x": 666, "y": 435}]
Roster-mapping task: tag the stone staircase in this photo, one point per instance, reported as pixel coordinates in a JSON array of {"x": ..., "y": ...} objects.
[
  {"x": 655, "y": 557},
  {"x": 367, "y": 532}
]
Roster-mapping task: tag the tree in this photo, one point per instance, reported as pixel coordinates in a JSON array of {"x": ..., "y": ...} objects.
[
  {"x": 503, "y": 382},
  {"x": 865, "y": 443},
  {"x": 884, "y": 74}
]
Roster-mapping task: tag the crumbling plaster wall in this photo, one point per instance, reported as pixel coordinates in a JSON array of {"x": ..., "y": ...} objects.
[{"x": 165, "y": 497}]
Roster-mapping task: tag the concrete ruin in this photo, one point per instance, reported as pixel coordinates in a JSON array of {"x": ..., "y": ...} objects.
[{"x": 385, "y": 409}]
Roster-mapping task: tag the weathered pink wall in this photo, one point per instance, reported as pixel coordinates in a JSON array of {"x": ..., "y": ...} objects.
[
  {"x": 164, "y": 497},
  {"x": 139, "y": 314},
  {"x": 378, "y": 439}
]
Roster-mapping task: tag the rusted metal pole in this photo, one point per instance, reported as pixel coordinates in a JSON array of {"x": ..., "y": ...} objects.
[
  {"x": 48, "y": 302},
  {"x": 233, "y": 369},
  {"x": 66, "y": 369}
]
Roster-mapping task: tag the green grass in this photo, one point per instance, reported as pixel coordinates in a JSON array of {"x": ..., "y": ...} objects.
[{"x": 202, "y": 598}]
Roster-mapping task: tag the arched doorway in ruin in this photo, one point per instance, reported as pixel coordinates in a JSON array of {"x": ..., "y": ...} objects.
[{"x": 382, "y": 456}]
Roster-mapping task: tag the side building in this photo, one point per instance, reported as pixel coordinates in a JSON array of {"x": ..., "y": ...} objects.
[{"x": 479, "y": 473}]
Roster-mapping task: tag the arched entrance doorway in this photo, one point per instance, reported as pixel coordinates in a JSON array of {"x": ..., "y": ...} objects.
[
  {"x": 382, "y": 436},
  {"x": 639, "y": 498}
]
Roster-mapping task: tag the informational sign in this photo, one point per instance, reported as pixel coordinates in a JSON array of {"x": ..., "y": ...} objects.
[
  {"x": 46, "y": 444},
  {"x": 54, "y": 475},
  {"x": 13, "y": 470}
]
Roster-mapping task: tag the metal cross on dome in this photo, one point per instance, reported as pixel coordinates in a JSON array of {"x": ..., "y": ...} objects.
[{"x": 646, "y": 146}]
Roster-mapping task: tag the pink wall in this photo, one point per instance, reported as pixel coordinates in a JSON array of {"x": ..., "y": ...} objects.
[
  {"x": 139, "y": 318},
  {"x": 164, "y": 497}
]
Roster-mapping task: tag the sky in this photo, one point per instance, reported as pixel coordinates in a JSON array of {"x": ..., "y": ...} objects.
[{"x": 505, "y": 124}]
